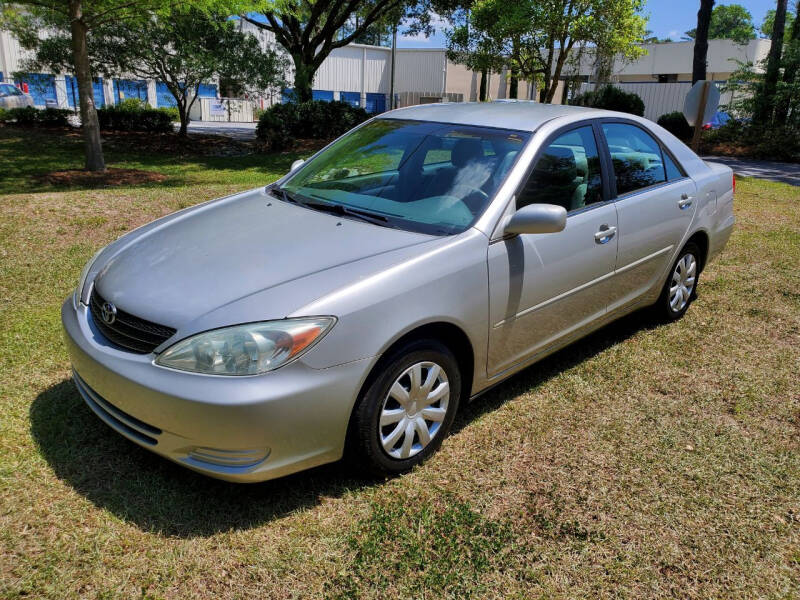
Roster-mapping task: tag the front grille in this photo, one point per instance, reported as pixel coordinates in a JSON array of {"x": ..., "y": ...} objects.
[
  {"x": 127, "y": 331},
  {"x": 124, "y": 423}
]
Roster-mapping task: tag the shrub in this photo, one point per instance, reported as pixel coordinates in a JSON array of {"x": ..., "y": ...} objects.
[
  {"x": 34, "y": 117},
  {"x": 134, "y": 115},
  {"x": 676, "y": 124},
  {"x": 611, "y": 98},
  {"x": 281, "y": 124},
  {"x": 776, "y": 142}
]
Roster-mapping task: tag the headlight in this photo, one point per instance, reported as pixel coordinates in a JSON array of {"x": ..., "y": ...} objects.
[
  {"x": 76, "y": 297},
  {"x": 246, "y": 349}
]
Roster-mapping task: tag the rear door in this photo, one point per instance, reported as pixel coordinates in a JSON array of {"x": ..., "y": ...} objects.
[{"x": 655, "y": 203}]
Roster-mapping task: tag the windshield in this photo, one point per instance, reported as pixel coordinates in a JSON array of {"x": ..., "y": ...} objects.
[{"x": 420, "y": 176}]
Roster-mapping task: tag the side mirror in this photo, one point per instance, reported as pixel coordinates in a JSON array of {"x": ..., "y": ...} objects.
[
  {"x": 296, "y": 164},
  {"x": 537, "y": 218}
]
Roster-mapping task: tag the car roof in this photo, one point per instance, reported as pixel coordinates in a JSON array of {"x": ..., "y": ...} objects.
[{"x": 507, "y": 114}]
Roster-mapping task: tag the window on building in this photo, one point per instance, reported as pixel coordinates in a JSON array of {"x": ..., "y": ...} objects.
[{"x": 668, "y": 78}]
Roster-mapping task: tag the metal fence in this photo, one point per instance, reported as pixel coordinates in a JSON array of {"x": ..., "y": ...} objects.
[{"x": 659, "y": 98}]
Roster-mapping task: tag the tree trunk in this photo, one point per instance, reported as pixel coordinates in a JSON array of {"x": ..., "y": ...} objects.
[
  {"x": 790, "y": 69},
  {"x": 184, "y": 115},
  {"x": 765, "y": 102},
  {"x": 80, "y": 57},
  {"x": 513, "y": 85},
  {"x": 699, "y": 63},
  {"x": 482, "y": 90},
  {"x": 304, "y": 71}
]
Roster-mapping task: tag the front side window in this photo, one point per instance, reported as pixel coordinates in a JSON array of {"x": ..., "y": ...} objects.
[
  {"x": 420, "y": 176},
  {"x": 636, "y": 156},
  {"x": 566, "y": 173}
]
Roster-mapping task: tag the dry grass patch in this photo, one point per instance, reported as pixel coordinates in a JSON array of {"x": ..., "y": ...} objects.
[{"x": 644, "y": 461}]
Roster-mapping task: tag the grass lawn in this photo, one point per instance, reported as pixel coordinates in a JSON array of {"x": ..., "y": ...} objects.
[{"x": 643, "y": 461}]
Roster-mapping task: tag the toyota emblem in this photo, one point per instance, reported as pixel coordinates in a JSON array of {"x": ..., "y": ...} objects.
[{"x": 108, "y": 312}]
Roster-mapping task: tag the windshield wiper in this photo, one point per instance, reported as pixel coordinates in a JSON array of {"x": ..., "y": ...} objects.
[
  {"x": 347, "y": 211},
  {"x": 285, "y": 196},
  {"x": 330, "y": 207}
]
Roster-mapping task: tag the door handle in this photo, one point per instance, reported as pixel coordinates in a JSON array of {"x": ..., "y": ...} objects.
[
  {"x": 685, "y": 201},
  {"x": 605, "y": 234}
]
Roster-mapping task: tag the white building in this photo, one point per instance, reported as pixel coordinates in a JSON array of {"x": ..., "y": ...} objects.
[{"x": 361, "y": 74}]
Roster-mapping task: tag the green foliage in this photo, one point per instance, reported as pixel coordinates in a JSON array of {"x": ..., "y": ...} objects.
[
  {"x": 769, "y": 23},
  {"x": 676, "y": 124},
  {"x": 729, "y": 22},
  {"x": 134, "y": 115},
  {"x": 310, "y": 29},
  {"x": 280, "y": 125},
  {"x": 775, "y": 142},
  {"x": 34, "y": 117},
  {"x": 537, "y": 38},
  {"x": 611, "y": 97}
]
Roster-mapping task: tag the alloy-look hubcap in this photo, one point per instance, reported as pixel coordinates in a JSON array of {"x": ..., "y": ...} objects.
[
  {"x": 682, "y": 284},
  {"x": 413, "y": 410}
]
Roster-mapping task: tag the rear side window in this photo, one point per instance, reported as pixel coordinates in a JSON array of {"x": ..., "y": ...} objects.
[
  {"x": 673, "y": 170},
  {"x": 567, "y": 173},
  {"x": 637, "y": 158}
]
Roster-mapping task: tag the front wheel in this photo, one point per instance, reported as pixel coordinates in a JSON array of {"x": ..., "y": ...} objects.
[
  {"x": 407, "y": 410},
  {"x": 680, "y": 289}
]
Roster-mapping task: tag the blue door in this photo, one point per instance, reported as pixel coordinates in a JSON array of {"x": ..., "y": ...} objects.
[
  {"x": 352, "y": 98},
  {"x": 376, "y": 103},
  {"x": 40, "y": 85},
  {"x": 164, "y": 97},
  {"x": 129, "y": 88},
  {"x": 206, "y": 90},
  {"x": 324, "y": 95},
  {"x": 73, "y": 100}
]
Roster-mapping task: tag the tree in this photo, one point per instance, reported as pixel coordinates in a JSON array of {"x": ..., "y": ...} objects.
[
  {"x": 186, "y": 50},
  {"x": 472, "y": 47},
  {"x": 539, "y": 37},
  {"x": 765, "y": 101},
  {"x": 790, "y": 89},
  {"x": 309, "y": 30},
  {"x": 80, "y": 17},
  {"x": 699, "y": 60},
  {"x": 729, "y": 22},
  {"x": 769, "y": 21}
]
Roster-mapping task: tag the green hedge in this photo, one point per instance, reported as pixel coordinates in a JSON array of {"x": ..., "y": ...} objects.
[
  {"x": 282, "y": 124},
  {"x": 134, "y": 115},
  {"x": 610, "y": 97},
  {"x": 34, "y": 117},
  {"x": 676, "y": 124}
]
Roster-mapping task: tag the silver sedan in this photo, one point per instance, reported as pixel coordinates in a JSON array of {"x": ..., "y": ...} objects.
[
  {"x": 418, "y": 260},
  {"x": 13, "y": 97}
]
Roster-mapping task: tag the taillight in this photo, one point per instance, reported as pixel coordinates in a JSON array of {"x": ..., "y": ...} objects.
[{"x": 733, "y": 176}]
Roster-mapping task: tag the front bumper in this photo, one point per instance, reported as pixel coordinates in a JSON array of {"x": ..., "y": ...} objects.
[{"x": 241, "y": 429}]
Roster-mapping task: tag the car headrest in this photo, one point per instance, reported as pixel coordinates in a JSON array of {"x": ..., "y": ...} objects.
[
  {"x": 465, "y": 151},
  {"x": 556, "y": 167}
]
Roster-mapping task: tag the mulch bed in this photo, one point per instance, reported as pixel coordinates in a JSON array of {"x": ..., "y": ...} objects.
[{"x": 110, "y": 177}]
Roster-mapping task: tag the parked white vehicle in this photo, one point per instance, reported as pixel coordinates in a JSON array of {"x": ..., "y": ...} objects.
[{"x": 13, "y": 97}]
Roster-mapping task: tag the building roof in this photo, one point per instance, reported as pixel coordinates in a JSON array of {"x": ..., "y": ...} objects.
[{"x": 507, "y": 114}]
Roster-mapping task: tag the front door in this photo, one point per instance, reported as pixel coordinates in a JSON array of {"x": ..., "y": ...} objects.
[{"x": 543, "y": 287}]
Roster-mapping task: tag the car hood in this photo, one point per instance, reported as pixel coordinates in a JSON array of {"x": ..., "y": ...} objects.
[{"x": 220, "y": 253}]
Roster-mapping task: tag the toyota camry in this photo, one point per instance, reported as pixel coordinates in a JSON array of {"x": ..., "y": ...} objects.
[{"x": 353, "y": 305}]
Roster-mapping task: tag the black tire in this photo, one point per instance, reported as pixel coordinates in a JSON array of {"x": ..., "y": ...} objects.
[
  {"x": 664, "y": 309},
  {"x": 365, "y": 448}
]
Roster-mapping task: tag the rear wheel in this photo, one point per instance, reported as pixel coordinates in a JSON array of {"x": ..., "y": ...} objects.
[
  {"x": 680, "y": 289},
  {"x": 407, "y": 410}
]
